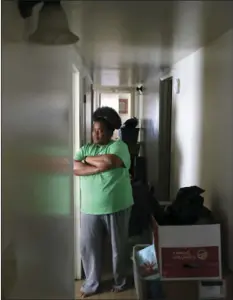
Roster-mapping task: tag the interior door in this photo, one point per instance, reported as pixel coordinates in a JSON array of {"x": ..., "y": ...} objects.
[{"x": 165, "y": 115}]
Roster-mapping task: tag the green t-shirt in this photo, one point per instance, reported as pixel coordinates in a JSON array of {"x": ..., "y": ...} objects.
[{"x": 110, "y": 191}]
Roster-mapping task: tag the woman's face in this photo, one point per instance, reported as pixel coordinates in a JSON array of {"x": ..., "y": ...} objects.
[{"x": 99, "y": 134}]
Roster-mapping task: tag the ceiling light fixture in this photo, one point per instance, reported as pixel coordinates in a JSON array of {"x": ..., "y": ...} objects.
[{"x": 53, "y": 28}]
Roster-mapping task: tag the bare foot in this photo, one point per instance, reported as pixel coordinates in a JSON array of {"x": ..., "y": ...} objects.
[
  {"x": 83, "y": 295},
  {"x": 86, "y": 295}
]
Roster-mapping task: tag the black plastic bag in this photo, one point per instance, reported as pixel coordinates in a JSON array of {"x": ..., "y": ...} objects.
[{"x": 187, "y": 208}]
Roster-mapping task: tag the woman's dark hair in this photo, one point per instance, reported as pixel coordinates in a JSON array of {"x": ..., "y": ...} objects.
[{"x": 108, "y": 116}]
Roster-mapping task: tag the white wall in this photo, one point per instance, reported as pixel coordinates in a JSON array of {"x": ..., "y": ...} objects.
[
  {"x": 37, "y": 196},
  {"x": 149, "y": 114},
  {"x": 36, "y": 126},
  {"x": 187, "y": 122},
  {"x": 203, "y": 122}
]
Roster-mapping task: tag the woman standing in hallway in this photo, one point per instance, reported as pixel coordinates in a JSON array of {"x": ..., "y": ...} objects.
[{"x": 106, "y": 199}]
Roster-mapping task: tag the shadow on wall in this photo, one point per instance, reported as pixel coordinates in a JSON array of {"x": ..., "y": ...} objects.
[{"x": 151, "y": 144}]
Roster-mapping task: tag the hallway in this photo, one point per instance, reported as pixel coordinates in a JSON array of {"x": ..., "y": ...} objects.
[{"x": 49, "y": 93}]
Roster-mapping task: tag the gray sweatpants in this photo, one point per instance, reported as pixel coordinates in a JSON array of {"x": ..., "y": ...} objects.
[{"x": 92, "y": 228}]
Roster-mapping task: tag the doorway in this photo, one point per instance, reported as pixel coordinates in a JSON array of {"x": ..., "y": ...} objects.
[
  {"x": 77, "y": 134},
  {"x": 121, "y": 102},
  {"x": 165, "y": 135}
]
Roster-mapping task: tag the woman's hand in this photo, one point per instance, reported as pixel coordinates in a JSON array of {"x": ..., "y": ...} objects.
[
  {"x": 83, "y": 169},
  {"x": 105, "y": 162}
]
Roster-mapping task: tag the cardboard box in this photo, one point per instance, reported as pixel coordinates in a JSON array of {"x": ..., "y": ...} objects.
[
  {"x": 208, "y": 290},
  {"x": 190, "y": 252},
  {"x": 222, "y": 290}
]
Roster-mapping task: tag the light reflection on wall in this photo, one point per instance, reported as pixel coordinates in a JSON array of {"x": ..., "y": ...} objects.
[{"x": 110, "y": 78}]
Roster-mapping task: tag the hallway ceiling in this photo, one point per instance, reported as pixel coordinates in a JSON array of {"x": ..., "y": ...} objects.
[
  {"x": 138, "y": 37},
  {"x": 125, "y": 42}
]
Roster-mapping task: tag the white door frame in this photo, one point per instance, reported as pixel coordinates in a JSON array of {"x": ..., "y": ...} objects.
[{"x": 77, "y": 134}]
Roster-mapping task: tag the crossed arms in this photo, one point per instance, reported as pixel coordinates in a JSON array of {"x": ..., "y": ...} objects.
[{"x": 97, "y": 164}]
